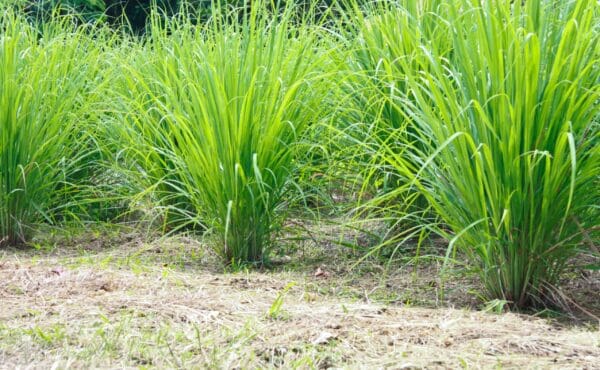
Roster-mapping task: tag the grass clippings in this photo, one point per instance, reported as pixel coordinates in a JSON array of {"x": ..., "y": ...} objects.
[{"x": 159, "y": 305}]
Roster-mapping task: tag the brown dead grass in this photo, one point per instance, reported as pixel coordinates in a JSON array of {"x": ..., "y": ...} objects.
[{"x": 134, "y": 307}]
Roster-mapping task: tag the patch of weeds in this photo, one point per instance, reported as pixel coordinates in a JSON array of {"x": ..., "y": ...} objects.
[
  {"x": 174, "y": 254},
  {"x": 134, "y": 262},
  {"x": 7, "y": 332},
  {"x": 549, "y": 313},
  {"x": 47, "y": 337},
  {"x": 317, "y": 356},
  {"x": 496, "y": 306},
  {"x": 14, "y": 289},
  {"x": 181, "y": 258},
  {"x": 110, "y": 333},
  {"x": 132, "y": 335},
  {"x": 382, "y": 295},
  {"x": 301, "y": 356},
  {"x": 43, "y": 247},
  {"x": 225, "y": 348},
  {"x": 275, "y": 311},
  {"x": 303, "y": 362}
]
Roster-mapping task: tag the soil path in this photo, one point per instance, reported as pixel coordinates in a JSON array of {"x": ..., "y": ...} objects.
[{"x": 106, "y": 312}]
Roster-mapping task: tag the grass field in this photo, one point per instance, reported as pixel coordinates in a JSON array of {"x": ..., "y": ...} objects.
[{"x": 390, "y": 183}]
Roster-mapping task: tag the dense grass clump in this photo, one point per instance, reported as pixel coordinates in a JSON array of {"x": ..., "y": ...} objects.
[
  {"x": 478, "y": 120},
  {"x": 217, "y": 111},
  {"x": 46, "y": 86},
  {"x": 506, "y": 138},
  {"x": 382, "y": 44}
]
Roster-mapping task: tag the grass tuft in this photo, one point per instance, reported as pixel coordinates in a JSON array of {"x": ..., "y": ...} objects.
[
  {"x": 47, "y": 85},
  {"x": 506, "y": 141},
  {"x": 216, "y": 114}
]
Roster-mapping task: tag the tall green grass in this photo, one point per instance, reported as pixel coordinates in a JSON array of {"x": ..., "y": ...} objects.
[
  {"x": 47, "y": 81},
  {"x": 505, "y": 136},
  {"x": 381, "y": 40},
  {"x": 216, "y": 115},
  {"x": 482, "y": 112}
]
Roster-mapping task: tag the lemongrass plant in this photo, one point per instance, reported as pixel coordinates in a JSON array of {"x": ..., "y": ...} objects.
[
  {"x": 509, "y": 151},
  {"x": 216, "y": 112},
  {"x": 381, "y": 40},
  {"x": 47, "y": 81}
]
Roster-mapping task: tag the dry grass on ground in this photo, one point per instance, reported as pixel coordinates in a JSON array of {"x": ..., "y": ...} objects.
[{"x": 166, "y": 305}]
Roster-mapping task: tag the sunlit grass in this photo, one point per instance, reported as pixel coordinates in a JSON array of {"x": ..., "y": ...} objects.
[
  {"x": 471, "y": 119},
  {"x": 508, "y": 148},
  {"x": 47, "y": 81},
  {"x": 217, "y": 114}
]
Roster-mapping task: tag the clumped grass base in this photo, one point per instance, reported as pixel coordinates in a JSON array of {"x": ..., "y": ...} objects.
[{"x": 216, "y": 114}]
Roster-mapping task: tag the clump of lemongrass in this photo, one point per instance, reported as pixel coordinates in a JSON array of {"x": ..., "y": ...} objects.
[
  {"x": 506, "y": 141},
  {"x": 216, "y": 113},
  {"x": 47, "y": 83}
]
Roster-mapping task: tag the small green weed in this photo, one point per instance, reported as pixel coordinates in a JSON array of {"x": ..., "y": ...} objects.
[{"x": 275, "y": 311}]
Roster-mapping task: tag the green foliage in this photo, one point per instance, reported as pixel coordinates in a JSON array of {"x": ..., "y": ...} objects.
[
  {"x": 383, "y": 39},
  {"x": 275, "y": 310},
  {"x": 43, "y": 9},
  {"x": 476, "y": 120},
  {"x": 132, "y": 14},
  {"x": 506, "y": 143},
  {"x": 45, "y": 98},
  {"x": 217, "y": 112},
  {"x": 135, "y": 14}
]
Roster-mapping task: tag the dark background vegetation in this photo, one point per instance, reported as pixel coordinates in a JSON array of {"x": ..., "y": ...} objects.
[{"x": 134, "y": 14}]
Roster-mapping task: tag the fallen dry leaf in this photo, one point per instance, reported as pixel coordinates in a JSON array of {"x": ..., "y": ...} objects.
[
  {"x": 324, "y": 338},
  {"x": 321, "y": 273}
]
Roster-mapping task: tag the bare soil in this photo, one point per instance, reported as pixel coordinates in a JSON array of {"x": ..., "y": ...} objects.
[{"x": 127, "y": 303}]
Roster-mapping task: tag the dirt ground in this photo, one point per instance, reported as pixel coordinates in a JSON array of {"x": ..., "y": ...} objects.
[{"x": 127, "y": 303}]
